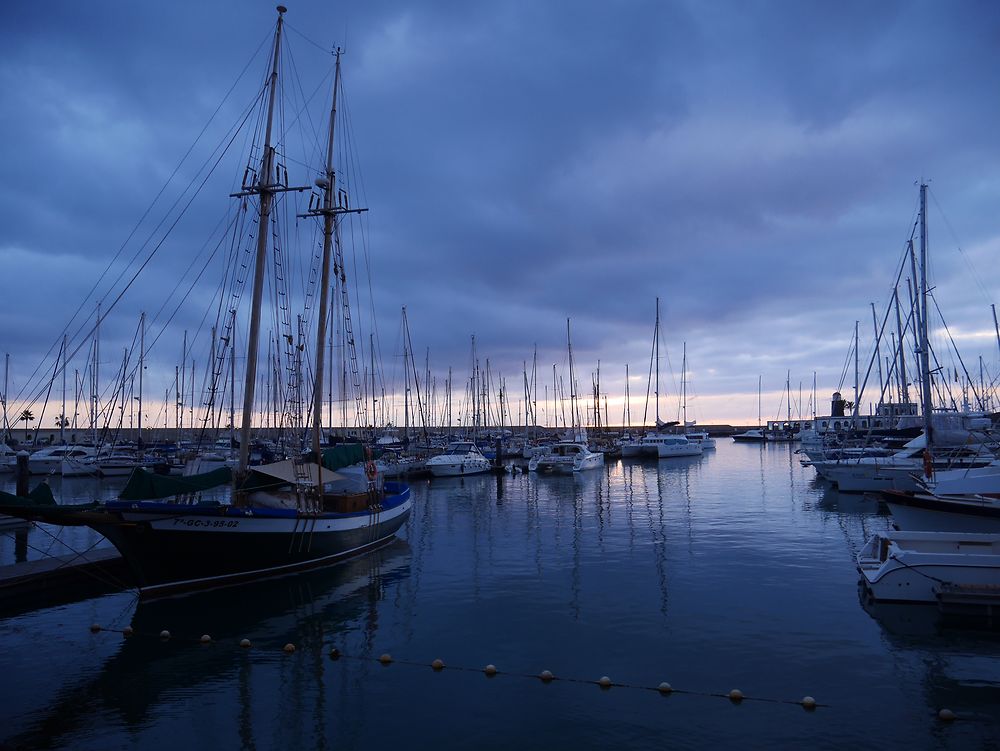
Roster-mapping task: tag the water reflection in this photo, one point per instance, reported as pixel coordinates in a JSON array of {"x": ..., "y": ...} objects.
[
  {"x": 956, "y": 666},
  {"x": 312, "y": 610}
]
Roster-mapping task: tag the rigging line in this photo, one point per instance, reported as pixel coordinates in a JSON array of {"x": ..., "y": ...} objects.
[
  {"x": 224, "y": 235},
  {"x": 169, "y": 230},
  {"x": 313, "y": 43},
  {"x": 968, "y": 261},
  {"x": 77, "y": 334},
  {"x": 955, "y": 348},
  {"x": 316, "y": 145},
  {"x": 155, "y": 199}
]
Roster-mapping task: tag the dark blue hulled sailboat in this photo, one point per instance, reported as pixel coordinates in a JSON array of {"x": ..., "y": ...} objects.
[{"x": 281, "y": 517}]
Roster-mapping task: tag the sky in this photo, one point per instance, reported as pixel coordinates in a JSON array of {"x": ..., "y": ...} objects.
[{"x": 754, "y": 165}]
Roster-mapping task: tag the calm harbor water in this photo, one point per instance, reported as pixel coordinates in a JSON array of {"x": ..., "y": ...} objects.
[{"x": 732, "y": 570}]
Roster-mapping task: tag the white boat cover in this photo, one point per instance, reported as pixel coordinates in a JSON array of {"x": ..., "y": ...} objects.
[{"x": 302, "y": 474}]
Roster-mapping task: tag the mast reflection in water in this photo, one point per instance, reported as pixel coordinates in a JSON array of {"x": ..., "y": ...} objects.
[{"x": 731, "y": 570}]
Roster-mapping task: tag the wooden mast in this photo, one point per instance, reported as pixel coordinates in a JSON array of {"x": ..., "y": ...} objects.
[
  {"x": 329, "y": 211},
  {"x": 265, "y": 189}
]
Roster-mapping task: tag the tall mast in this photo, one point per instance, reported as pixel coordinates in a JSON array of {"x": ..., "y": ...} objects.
[
  {"x": 142, "y": 366},
  {"x": 406, "y": 388},
  {"x": 788, "y": 392},
  {"x": 925, "y": 364},
  {"x": 878, "y": 355},
  {"x": 6, "y": 376},
  {"x": 901, "y": 372},
  {"x": 656, "y": 348},
  {"x": 328, "y": 183},
  {"x": 62, "y": 417},
  {"x": 265, "y": 189},
  {"x": 857, "y": 368},
  {"x": 572, "y": 383},
  {"x": 628, "y": 411},
  {"x": 96, "y": 373},
  {"x": 760, "y": 382},
  {"x": 684, "y": 393}
]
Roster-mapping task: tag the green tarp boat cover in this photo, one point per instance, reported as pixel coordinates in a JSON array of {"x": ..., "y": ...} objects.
[
  {"x": 143, "y": 485},
  {"x": 343, "y": 455},
  {"x": 40, "y": 496}
]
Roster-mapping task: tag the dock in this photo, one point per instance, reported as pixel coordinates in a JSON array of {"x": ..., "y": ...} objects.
[{"x": 61, "y": 579}]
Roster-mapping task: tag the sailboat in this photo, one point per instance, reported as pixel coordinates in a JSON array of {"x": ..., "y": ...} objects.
[
  {"x": 754, "y": 435},
  {"x": 660, "y": 444},
  {"x": 282, "y": 517},
  {"x": 573, "y": 454},
  {"x": 691, "y": 432}
]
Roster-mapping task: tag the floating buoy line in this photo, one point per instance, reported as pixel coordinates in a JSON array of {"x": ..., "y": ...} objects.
[{"x": 386, "y": 660}]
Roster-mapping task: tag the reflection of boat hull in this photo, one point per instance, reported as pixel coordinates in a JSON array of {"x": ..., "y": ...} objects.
[{"x": 459, "y": 469}]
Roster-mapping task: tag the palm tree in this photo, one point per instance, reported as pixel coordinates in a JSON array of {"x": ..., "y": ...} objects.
[{"x": 27, "y": 416}]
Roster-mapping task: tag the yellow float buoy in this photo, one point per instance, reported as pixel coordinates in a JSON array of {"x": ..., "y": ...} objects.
[
  {"x": 664, "y": 688},
  {"x": 736, "y": 696},
  {"x": 385, "y": 659},
  {"x": 604, "y": 682},
  {"x": 164, "y": 634},
  {"x": 127, "y": 631},
  {"x": 438, "y": 664},
  {"x": 288, "y": 648},
  {"x": 946, "y": 715},
  {"x": 808, "y": 702},
  {"x": 206, "y": 639},
  {"x": 245, "y": 643},
  {"x": 546, "y": 676},
  {"x": 490, "y": 670}
]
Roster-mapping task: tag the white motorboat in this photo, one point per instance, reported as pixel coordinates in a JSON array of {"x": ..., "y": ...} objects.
[
  {"x": 54, "y": 459},
  {"x": 459, "y": 459},
  {"x": 917, "y": 566},
  {"x": 670, "y": 445},
  {"x": 754, "y": 435},
  {"x": 701, "y": 437},
  {"x": 118, "y": 464},
  {"x": 566, "y": 458}
]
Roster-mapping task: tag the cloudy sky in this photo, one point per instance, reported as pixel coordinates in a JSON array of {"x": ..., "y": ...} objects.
[{"x": 752, "y": 164}]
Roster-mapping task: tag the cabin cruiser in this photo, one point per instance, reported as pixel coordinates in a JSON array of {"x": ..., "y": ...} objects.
[
  {"x": 701, "y": 437},
  {"x": 565, "y": 458},
  {"x": 923, "y": 566},
  {"x": 754, "y": 435},
  {"x": 63, "y": 460},
  {"x": 669, "y": 445},
  {"x": 459, "y": 459}
]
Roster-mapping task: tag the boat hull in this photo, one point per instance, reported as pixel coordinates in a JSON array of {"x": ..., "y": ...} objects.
[
  {"x": 171, "y": 547},
  {"x": 927, "y": 513},
  {"x": 458, "y": 469},
  {"x": 917, "y": 566}
]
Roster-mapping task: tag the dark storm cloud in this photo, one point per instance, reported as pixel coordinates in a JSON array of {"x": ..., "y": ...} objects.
[{"x": 752, "y": 164}]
